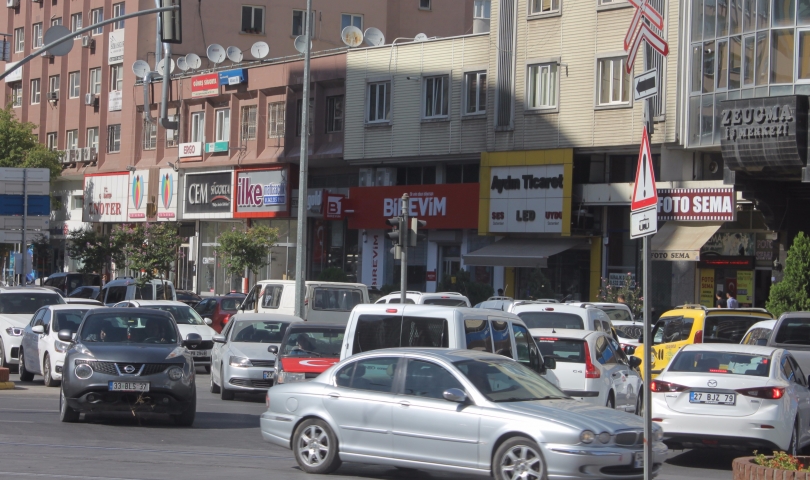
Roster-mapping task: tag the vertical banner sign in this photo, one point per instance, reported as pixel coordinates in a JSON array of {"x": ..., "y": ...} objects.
[
  {"x": 373, "y": 258},
  {"x": 115, "y": 55},
  {"x": 745, "y": 287},
  {"x": 137, "y": 193},
  {"x": 707, "y": 287},
  {"x": 167, "y": 195}
]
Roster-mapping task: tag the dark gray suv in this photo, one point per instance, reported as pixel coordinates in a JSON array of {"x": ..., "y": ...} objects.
[{"x": 128, "y": 360}]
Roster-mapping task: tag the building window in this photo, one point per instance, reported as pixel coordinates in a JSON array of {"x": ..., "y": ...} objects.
[
  {"x": 16, "y": 94},
  {"x": 53, "y": 87},
  {"x": 197, "y": 127},
  {"x": 94, "y": 86},
  {"x": 252, "y": 19},
  {"x": 113, "y": 138},
  {"x": 97, "y": 16},
  {"x": 116, "y": 78},
  {"x": 35, "y": 91},
  {"x": 475, "y": 84},
  {"x": 614, "y": 81},
  {"x": 350, "y": 19},
  {"x": 56, "y": 21},
  {"x": 248, "y": 124},
  {"x": 149, "y": 134},
  {"x": 481, "y": 9},
  {"x": 92, "y": 137},
  {"x": 19, "y": 40},
  {"x": 465, "y": 173},
  {"x": 542, "y": 86},
  {"x": 72, "y": 137},
  {"x": 76, "y": 23},
  {"x": 172, "y": 136},
  {"x": 334, "y": 114},
  {"x": 416, "y": 175},
  {"x": 275, "y": 120},
  {"x": 36, "y": 35},
  {"x": 379, "y": 102},
  {"x": 78, "y": 202},
  {"x": 118, "y": 11},
  {"x": 74, "y": 87},
  {"x": 223, "y": 125},
  {"x": 50, "y": 141},
  {"x": 298, "y": 26},
  {"x": 436, "y": 96},
  {"x": 544, "y": 6},
  {"x": 298, "y": 119},
  {"x": 424, "y": 5}
]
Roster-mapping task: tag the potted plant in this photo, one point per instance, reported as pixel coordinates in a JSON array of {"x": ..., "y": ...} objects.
[{"x": 781, "y": 465}]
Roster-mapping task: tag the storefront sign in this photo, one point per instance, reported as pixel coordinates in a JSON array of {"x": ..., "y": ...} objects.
[
  {"x": 105, "y": 197},
  {"x": 526, "y": 199},
  {"x": 115, "y": 54},
  {"x": 208, "y": 195},
  {"x": 710, "y": 261},
  {"x": 373, "y": 258},
  {"x": 261, "y": 193},
  {"x": 745, "y": 287},
  {"x": 334, "y": 206},
  {"x": 707, "y": 287},
  {"x": 430, "y": 276},
  {"x": 115, "y": 101},
  {"x": 619, "y": 279},
  {"x": 697, "y": 204},
  {"x": 232, "y": 77},
  {"x": 445, "y": 206},
  {"x": 205, "y": 85},
  {"x": 764, "y": 132},
  {"x": 137, "y": 193},
  {"x": 730, "y": 244},
  {"x": 14, "y": 76},
  {"x": 216, "y": 147},
  {"x": 167, "y": 195},
  {"x": 189, "y": 152}
]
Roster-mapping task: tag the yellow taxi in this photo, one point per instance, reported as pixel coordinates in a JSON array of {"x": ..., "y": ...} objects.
[{"x": 689, "y": 324}]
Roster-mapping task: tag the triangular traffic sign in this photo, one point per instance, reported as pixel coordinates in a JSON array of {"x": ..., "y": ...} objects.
[{"x": 644, "y": 192}]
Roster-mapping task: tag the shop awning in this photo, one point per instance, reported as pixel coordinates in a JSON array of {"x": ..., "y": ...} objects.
[
  {"x": 521, "y": 252},
  {"x": 682, "y": 240}
]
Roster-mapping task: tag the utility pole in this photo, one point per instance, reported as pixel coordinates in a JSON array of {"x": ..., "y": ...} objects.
[
  {"x": 646, "y": 398},
  {"x": 403, "y": 274},
  {"x": 24, "y": 246}
]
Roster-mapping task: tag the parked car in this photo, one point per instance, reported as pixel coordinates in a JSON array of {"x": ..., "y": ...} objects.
[
  {"x": 244, "y": 355},
  {"x": 759, "y": 333},
  {"x": 307, "y": 350},
  {"x": 732, "y": 395},
  {"x": 453, "y": 410},
  {"x": 325, "y": 302},
  {"x": 67, "y": 282},
  {"x": 219, "y": 309},
  {"x": 792, "y": 332},
  {"x": 122, "y": 289},
  {"x": 592, "y": 367},
  {"x": 128, "y": 360},
  {"x": 447, "y": 299},
  {"x": 188, "y": 321},
  {"x": 17, "y": 306},
  {"x": 189, "y": 298},
  {"x": 550, "y": 316},
  {"x": 85, "y": 292},
  {"x": 83, "y": 301},
  {"x": 41, "y": 352}
]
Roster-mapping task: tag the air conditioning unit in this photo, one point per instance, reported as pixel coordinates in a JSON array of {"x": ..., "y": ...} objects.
[
  {"x": 386, "y": 177},
  {"x": 78, "y": 154},
  {"x": 64, "y": 156},
  {"x": 87, "y": 154},
  {"x": 366, "y": 177},
  {"x": 12, "y": 3},
  {"x": 53, "y": 96},
  {"x": 90, "y": 99},
  {"x": 88, "y": 42}
]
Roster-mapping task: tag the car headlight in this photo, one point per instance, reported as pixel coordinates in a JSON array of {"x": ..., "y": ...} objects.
[
  {"x": 240, "y": 362},
  {"x": 82, "y": 350},
  {"x": 604, "y": 437},
  {"x": 658, "y": 435},
  {"x": 175, "y": 373},
  {"x": 60, "y": 347},
  {"x": 287, "y": 377},
  {"x": 587, "y": 436},
  {"x": 14, "y": 331},
  {"x": 83, "y": 371},
  {"x": 177, "y": 352}
]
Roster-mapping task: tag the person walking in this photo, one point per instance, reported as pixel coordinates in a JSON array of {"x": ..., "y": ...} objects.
[
  {"x": 731, "y": 302},
  {"x": 621, "y": 299},
  {"x": 719, "y": 301}
]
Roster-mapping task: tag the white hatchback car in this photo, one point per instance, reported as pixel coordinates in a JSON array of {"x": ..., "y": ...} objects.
[
  {"x": 17, "y": 306},
  {"x": 759, "y": 333},
  {"x": 592, "y": 367},
  {"x": 715, "y": 395},
  {"x": 583, "y": 316},
  {"x": 41, "y": 352},
  {"x": 445, "y": 299}
]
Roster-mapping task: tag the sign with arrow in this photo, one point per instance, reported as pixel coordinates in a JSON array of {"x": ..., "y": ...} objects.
[
  {"x": 645, "y": 85},
  {"x": 639, "y": 31}
]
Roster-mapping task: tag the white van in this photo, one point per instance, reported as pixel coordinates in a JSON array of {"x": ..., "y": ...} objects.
[
  {"x": 372, "y": 327},
  {"x": 122, "y": 289},
  {"x": 446, "y": 299},
  {"x": 326, "y": 302}
]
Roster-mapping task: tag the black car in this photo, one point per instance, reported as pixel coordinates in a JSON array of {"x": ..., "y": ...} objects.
[
  {"x": 189, "y": 298},
  {"x": 128, "y": 360},
  {"x": 69, "y": 281},
  {"x": 85, "y": 292}
]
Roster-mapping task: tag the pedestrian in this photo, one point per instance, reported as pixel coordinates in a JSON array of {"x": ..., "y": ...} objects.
[
  {"x": 719, "y": 301},
  {"x": 500, "y": 292},
  {"x": 104, "y": 279},
  {"x": 621, "y": 299},
  {"x": 731, "y": 302}
]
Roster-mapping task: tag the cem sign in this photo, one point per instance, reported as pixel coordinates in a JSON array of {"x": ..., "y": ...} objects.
[
  {"x": 526, "y": 199},
  {"x": 764, "y": 132},
  {"x": 208, "y": 195}
]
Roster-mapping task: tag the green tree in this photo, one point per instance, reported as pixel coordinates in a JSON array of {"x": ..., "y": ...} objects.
[
  {"x": 539, "y": 285},
  {"x": 20, "y": 147},
  {"x": 148, "y": 248},
  {"x": 242, "y": 250},
  {"x": 793, "y": 292},
  {"x": 462, "y": 283},
  {"x": 90, "y": 248},
  {"x": 630, "y": 290}
]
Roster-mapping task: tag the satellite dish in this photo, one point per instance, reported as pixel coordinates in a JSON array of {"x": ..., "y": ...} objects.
[
  {"x": 352, "y": 36},
  {"x": 420, "y": 37},
  {"x": 215, "y": 53},
  {"x": 301, "y": 44},
  {"x": 193, "y": 61},
  {"x": 161, "y": 67},
  {"x": 259, "y": 50},
  {"x": 374, "y": 37},
  {"x": 55, "y": 33},
  {"x": 182, "y": 64},
  {"x": 234, "y": 54},
  {"x": 140, "y": 68}
]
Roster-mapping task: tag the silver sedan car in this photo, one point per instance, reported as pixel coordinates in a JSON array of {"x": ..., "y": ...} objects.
[{"x": 459, "y": 411}]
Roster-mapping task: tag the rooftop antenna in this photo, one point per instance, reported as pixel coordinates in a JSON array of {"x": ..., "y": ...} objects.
[
  {"x": 140, "y": 68},
  {"x": 374, "y": 37},
  {"x": 215, "y": 53},
  {"x": 161, "y": 67},
  {"x": 301, "y": 44},
  {"x": 352, "y": 36},
  {"x": 421, "y": 37},
  {"x": 260, "y": 50},
  {"x": 234, "y": 54},
  {"x": 193, "y": 61},
  {"x": 182, "y": 64}
]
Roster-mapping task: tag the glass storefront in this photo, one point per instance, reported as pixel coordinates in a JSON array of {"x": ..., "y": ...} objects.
[
  {"x": 333, "y": 245},
  {"x": 211, "y": 276},
  {"x": 282, "y": 256},
  {"x": 567, "y": 277}
]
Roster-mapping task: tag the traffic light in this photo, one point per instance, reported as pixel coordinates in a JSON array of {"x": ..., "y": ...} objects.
[
  {"x": 396, "y": 235},
  {"x": 171, "y": 25},
  {"x": 414, "y": 235}
]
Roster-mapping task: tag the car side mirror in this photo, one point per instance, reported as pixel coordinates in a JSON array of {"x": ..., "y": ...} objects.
[
  {"x": 641, "y": 339},
  {"x": 65, "y": 335},
  {"x": 192, "y": 340},
  {"x": 218, "y": 338},
  {"x": 550, "y": 363},
  {"x": 38, "y": 329},
  {"x": 635, "y": 362},
  {"x": 273, "y": 349},
  {"x": 208, "y": 321},
  {"x": 629, "y": 350},
  {"x": 455, "y": 395}
]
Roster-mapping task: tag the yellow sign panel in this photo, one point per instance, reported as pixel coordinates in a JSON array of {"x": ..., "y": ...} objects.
[
  {"x": 707, "y": 287},
  {"x": 745, "y": 287}
]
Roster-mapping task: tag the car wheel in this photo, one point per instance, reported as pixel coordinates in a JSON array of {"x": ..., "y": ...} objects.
[
  {"x": 519, "y": 457},
  {"x": 46, "y": 372},
  {"x": 611, "y": 402},
  {"x": 66, "y": 414},
  {"x": 25, "y": 375},
  {"x": 213, "y": 388},
  {"x": 640, "y": 404},
  {"x": 793, "y": 448},
  {"x": 316, "y": 447},
  {"x": 224, "y": 393},
  {"x": 186, "y": 419},
  {"x": 207, "y": 368}
]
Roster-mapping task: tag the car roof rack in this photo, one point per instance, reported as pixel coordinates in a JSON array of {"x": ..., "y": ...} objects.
[
  {"x": 406, "y": 291},
  {"x": 692, "y": 306},
  {"x": 499, "y": 298}
]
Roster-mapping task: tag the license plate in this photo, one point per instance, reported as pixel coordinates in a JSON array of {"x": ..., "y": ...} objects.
[
  {"x": 713, "y": 398},
  {"x": 268, "y": 375},
  {"x": 200, "y": 353},
  {"x": 129, "y": 386},
  {"x": 638, "y": 461}
]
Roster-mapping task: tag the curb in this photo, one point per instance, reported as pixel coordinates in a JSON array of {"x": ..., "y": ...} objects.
[
  {"x": 6, "y": 385},
  {"x": 3, "y": 375}
]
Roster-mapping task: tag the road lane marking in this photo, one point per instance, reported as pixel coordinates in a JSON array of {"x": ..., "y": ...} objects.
[{"x": 145, "y": 450}]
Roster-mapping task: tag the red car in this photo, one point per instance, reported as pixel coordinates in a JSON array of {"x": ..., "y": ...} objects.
[
  {"x": 219, "y": 309},
  {"x": 307, "y": 350}
]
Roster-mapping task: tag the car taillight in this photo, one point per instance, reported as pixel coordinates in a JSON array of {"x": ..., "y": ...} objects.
[
  {"x": 699, "y": 336},
  {"x": 659, "y": 386},
  {"x": 771, "y": 393},
  {"x": 226, "y": 318},
  {"x": 590, "y": 369}
]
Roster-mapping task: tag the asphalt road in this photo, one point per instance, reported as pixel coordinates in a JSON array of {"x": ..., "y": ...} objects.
[{"x": 224, "y": 442}]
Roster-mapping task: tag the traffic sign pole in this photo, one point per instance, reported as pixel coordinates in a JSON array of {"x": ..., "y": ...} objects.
[{"x": 648, "y": 444}]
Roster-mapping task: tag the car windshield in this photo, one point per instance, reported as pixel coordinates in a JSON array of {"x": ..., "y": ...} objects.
[
  {"x": 697, "y": 361},
  {"x": 727, "y": 328},
  {"x": 617, "y": 313},
  {"x": 128, "y": 329},
  {"x": 446, "y": 302},
  {"x": 794, "y": 331},
  {"x": 318, "y": 342},
  {"x": 563, "y": 349},
  {"x": 183, "y": 314},
  {"x": 507, "y": 381},
  {"x": 68, "y": 320},
  {"x": 258, "y": 331},
  {"x": 552, "y": 320},
  {"x": 230, "y": 304},
  {"x": 25, "y": 303}
]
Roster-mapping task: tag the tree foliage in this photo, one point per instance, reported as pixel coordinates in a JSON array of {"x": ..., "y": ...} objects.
[
  {"x": 242, "y": 250},
  {"x": 474, "y": 291},
  {"x": 630, "y": 290},
  {"x": 793, "y": 292},
  {"x": 20, "y": 147},
  {"x": 148, "y": 248},
  {"x": 91, "y": 248}
]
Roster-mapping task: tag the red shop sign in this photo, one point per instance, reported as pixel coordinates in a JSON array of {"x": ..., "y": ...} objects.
[
  {"x": 205, "y": 85},
  {"x": 446, "y": 206},
  {"x": 697, "y": 204}
]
